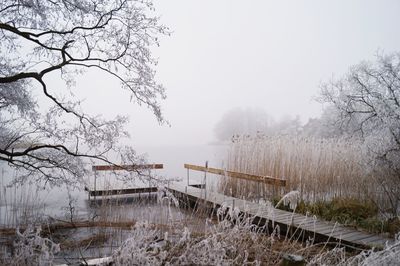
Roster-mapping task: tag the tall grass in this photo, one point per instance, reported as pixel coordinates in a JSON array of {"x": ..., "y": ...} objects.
[
  {"x": 20, "y": 204},
  {"x": 320, "y": 169}
]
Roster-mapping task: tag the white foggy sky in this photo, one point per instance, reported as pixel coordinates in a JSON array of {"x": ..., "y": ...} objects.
[{"x": 264, "y": 54}]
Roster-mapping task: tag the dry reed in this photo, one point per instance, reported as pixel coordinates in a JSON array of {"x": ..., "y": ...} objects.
[{"x": 320, "y": 169}]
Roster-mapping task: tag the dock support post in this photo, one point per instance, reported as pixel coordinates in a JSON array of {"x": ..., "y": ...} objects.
[
  {"x": 95, "y": 181},
  {"x": 188, "y": 176},
  {"x": 205, "y": 181}
]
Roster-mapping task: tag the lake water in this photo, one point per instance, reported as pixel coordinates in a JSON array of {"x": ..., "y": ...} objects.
[{"x": 30, "y": 202}]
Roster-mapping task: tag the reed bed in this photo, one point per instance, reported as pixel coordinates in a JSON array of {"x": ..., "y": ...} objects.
[
  {"x": 320, "y": 169},
  {"x": 20, "y": 204}
]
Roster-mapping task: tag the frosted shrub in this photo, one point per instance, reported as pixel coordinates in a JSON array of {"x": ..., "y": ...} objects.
[
  {"x": 390, "y": 255},
  {"x": 164, "y": 194},
  {"x": 233, "y": 240},
  {"x": 32, "y": 249},
  {"x": 226, "y": 243},
  {"x": 291, "y": 199},
  {"x": 142, "y": 248}
]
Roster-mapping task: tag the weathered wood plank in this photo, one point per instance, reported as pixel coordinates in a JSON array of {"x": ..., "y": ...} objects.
[
  {"x": 324, "y": 230},
  {"x": 375, "y": 239},
  {"x": 380, "y": 242},
  {"x": 321, "y": 224},
  {"x": 263, "y": 179},
  {"x": 305, "y": 223},
  {"x": 372, "y": 239},
  {"x": 357, "y": 237},
  {"x": 367, "y": 238},
  {"x": 344, "y": 235},
  {"x": 126, "y": 167},
  {"x": 121, "y": 191}
]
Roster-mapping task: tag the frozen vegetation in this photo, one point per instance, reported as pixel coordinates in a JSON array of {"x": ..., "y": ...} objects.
[{"x": 229, "y": 240}]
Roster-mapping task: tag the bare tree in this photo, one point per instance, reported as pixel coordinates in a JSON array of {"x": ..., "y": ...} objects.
[
  {"x": 368, "y": 103},
  {"x": 67, "y": 37}
]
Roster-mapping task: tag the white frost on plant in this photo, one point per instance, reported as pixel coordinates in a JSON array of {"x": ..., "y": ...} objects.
[
  {"x": 291, "y": 199},
  {"x": 225, "y": 243},
  {"x": 32, "y": 249},
  {"x": 390, "y": 255},
  {"x": 221, "y": 211},
  {"x": 141, "y": 248},
  {"x": 164, "y": 194},
  {"x": 234, "y": 213}
]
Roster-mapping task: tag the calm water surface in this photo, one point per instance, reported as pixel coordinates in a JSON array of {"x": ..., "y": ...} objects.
[{"x": 18, "y": 204}]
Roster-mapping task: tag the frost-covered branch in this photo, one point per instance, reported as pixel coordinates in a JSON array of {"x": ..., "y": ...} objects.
[
  {"x": 39, "y": 38},
  {"x": 367, "y": 104}
]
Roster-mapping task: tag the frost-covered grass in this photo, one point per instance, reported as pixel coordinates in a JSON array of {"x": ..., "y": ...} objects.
[
  {"x": 234, "y": 241},
  {"x": 390, "y": 255},
  {"x": 229, "y": 238},
  {"x": 168, "y": 234},
  {"x": 20, "y": 205},
  {"x": 30, "y": 248},
  {"x": 228, "y": 241}
]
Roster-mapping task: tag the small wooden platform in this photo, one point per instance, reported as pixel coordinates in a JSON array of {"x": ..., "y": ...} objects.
[
  {"x": 296, "y": 224},
  {"x": 126, "y": 191},
  {"x": 113, "y": 192},
  {"x": 126, "y": 167}
]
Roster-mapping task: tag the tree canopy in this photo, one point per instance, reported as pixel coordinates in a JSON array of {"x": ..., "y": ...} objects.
[
  {"x": 366, "y": 102},
  {"x": 39, "y": 38}
]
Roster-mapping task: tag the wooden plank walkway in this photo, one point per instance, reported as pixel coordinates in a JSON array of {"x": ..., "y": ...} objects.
[{"x": 287, "y": 221}]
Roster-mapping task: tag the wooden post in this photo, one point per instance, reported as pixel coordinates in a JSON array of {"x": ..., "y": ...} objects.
[
  {"x": 149, "y": 186},
  {"x": 188, "y": 177},
  {"x": 95, "y": 181},
  {"x": 205, "y": 181}
]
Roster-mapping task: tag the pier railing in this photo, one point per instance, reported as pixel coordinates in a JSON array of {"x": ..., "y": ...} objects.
[{"x": 256, "y": 178}]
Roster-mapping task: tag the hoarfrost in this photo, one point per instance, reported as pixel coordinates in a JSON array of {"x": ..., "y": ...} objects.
[
  {"x": 291, "y": 199},
  {"x": 32, "y": 249},
  {"x": 224, "y": 243},
  {"x": 390, "y": 255}
]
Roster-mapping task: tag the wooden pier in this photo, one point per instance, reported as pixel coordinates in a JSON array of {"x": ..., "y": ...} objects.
[
  {"x": 123, "y": 191},
  {"x": 294, "y": 225}
]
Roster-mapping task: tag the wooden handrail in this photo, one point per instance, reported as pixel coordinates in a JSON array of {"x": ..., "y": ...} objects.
[
  {"x": 257, "y": 178},
  {"x": 126, "y": 167}
]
